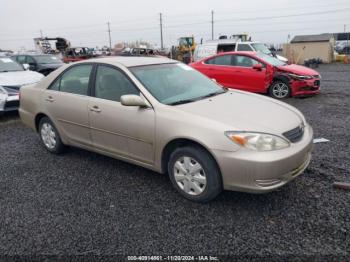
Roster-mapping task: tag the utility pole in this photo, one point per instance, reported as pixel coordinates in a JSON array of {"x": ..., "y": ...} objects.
[
  {"x": 212, "y": 25},
  {"x": 109, "y": 34},
  {"x": 161, "y": 31},
  {"x": 41, "y": 33},
  {"x": 344, "y": 28}
]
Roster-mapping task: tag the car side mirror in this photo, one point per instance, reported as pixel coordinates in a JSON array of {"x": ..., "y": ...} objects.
[
  {"x": 133, "y": 100},
  {"x": 257, "y": 67},
  {"x": 26, "y": 66}
]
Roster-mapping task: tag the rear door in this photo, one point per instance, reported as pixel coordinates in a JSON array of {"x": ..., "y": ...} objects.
[
  {"x": 126, "y": 131},
  {"x": 66, "y": 102},
  {"x": 220, "y": 69}
]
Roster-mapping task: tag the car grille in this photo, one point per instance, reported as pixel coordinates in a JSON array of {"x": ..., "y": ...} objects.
[
  {"x": 295, "y": 134},
  {"x": 10, "y": 104},
  {"x": 13, "y": 87}
]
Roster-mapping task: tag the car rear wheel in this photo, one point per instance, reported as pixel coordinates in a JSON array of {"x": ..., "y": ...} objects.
[
  {"x": 279, "y": 90},
  {"x": 50, "y": 137},
  {"x": 194, "y": 174}
]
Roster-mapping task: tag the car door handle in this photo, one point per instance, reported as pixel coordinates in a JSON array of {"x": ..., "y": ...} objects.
[
  {"x": 50, "y": 99},
  {"x": 95, "y": 109}
]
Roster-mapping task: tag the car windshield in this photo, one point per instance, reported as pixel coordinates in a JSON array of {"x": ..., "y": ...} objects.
[
  {"x": 8, "y": 65},
  {"x": 270, "y": 59},
  {"x": 47, "y": 59},
  {"x": 260, "y": 47},
  {"x": 176, "y": 83}
]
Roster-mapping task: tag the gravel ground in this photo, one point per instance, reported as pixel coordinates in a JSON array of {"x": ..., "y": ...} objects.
[{"x": 85, "y": 203}]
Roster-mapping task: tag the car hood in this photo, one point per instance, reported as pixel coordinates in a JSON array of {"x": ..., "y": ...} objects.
[
  {"x": 19, "y": 78},
  {"x": 53, "y": 66},
  {"x": 299, "y": 70},
  {"x": 242, "y": 111}
]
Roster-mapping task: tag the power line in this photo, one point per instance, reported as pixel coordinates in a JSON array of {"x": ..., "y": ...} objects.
[
  {"x": 191, "y": 15},
  {"x": 88, "y": 34},
  {"x": 249, "y": 11},
  {"x": 179, "y": 25},
  {"x": 285, "y": 16}
]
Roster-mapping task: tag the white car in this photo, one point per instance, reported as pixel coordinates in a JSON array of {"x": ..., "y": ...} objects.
[
  {"x": 12, "y": 77},
  {"x": 229, "y": 45}
]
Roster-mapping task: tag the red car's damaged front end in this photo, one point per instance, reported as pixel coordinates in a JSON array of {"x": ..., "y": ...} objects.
[{"x": 303, "y": 81}]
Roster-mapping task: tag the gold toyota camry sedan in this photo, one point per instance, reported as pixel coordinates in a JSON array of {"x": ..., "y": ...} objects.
[{"x": 166, "y": 116}]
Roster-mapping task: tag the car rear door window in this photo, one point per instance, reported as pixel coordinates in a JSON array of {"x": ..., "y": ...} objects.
[
  {"x": 243, "y": 61},
  {"x": 76, "y": 80},
  {"x": 21, "y": 59},
  {"x": 244, "y": 47},
  {"x": 111, "y": 84},
  {"x": 224, "y": 60}
]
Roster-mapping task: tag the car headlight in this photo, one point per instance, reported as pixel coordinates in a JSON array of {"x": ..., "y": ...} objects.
[
  {"x": 258, "y": 141},
  {"x": 300, "y": 77}
]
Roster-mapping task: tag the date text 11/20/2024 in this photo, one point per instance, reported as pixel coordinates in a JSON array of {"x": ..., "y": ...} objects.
[{"x": 172, "y": 258}]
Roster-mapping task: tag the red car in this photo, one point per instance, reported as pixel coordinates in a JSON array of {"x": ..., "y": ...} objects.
[{"x": 260, "y": 73}]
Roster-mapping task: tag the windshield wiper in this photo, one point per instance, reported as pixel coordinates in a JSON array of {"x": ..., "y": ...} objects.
[
  {"x": 212, "y": 94},
  {"x": 184, "y": 101}
]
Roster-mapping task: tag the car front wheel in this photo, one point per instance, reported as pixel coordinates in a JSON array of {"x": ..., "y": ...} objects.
[
  {"x": 194, "y": 173},
  {"x": 279, "y": 90},
  {"x": 49, "y": 136}
]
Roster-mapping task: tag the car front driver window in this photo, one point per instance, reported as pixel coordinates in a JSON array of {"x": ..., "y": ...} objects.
[{"x": 111, "y": 84}]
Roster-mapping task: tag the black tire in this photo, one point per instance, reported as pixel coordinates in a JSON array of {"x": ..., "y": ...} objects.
[
  {"x": 279, "y": 95},
  {"x": 58, "y": 147},
  {"x": 212, "y": 174}
]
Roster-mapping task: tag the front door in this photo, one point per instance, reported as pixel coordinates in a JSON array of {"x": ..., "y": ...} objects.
[
  {"x": 116, "y": 129},
  {"x": 246, "y": 77}
]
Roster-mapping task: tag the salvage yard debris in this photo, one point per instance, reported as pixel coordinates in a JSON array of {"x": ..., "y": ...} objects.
[
  {"x": 320, "y": 140},
  {"x": 342, "y": 185}
]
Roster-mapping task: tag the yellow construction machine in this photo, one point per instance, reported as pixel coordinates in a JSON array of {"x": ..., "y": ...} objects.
[{"x": 184, "y": 50}]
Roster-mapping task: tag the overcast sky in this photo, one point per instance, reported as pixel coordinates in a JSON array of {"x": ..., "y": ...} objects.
[{"x": 84, "y": 23}]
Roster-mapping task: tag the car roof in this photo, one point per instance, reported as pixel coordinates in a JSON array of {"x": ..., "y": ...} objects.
[
  {"x": 240, "y": 52},
  {"x": 253, "y": 53},
  {"x": 130, "y": 61}
]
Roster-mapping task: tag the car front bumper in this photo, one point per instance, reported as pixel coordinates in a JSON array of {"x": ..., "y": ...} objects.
[
  {"x": 9, "y": 103},
  {"x": 258, "y": 172},
  {"x": 305, "y": 87}
]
